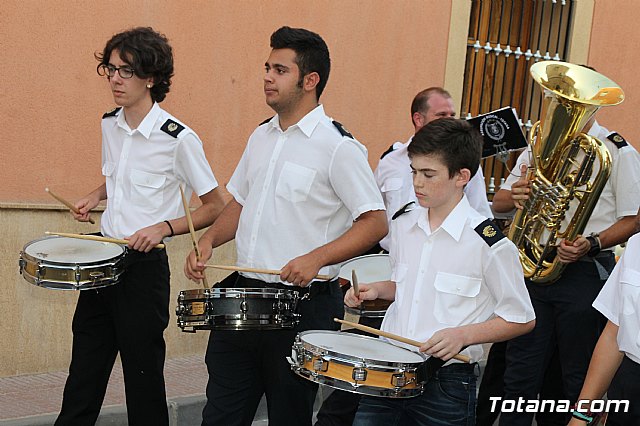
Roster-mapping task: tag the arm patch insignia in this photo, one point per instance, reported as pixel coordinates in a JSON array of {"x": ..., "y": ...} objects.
[
  {"x": 388, "y": 151},
  {"x": 111, "y": 113},
  {"x": 342, "y": 130},
  {"x": 172, "y": 128},
  {"x": 617, "y": 140},
  {"x": 489, "y": 232},
  {"x": 266, "y": 121},
  {"x": 402, "y": 211}
]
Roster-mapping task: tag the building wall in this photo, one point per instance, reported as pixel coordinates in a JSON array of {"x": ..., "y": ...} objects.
[{"x": 52, "y": 102}]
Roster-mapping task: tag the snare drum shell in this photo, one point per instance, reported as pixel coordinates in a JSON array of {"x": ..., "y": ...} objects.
[
  {"x": 237, "y": 309},
  {"x": 330, "y": 367},
  {"x": 71, "y": 275}
]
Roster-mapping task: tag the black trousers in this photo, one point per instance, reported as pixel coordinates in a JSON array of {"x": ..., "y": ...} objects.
[
  {"x": 130, "y": 318},
  {"x": 244, "y": 365},
  {"x": 564, "y": 318},
  {"x": 625, "y": 385}
]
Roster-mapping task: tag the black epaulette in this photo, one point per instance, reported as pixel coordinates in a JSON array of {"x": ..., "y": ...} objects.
[
  {"x": 489, "y": 232},
  {"x": 617, "y": 140},
  {"x": 266, "y": 121},
  {"x": 111, "y": 113},
  {"x": 384, "y": 154},
  {"x": 172, "y": 128},
  {"x": 402, "y": 211},
  {"x": 342, "y": 130}
]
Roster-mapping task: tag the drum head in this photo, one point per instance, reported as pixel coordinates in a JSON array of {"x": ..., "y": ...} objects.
[
  {"x": 357, "y": 346},
  {"x": 369, "y": 268},
  {"x": 72, "y": 250}
]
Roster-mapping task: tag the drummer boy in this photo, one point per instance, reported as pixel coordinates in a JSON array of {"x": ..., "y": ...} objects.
[{"x": 456, "y": 280}]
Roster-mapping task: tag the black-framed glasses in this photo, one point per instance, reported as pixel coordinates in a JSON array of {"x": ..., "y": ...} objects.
[{"x": 110, "y": 71}]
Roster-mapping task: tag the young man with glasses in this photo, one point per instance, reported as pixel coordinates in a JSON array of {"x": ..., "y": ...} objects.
[{"x": 147, "y": 155}]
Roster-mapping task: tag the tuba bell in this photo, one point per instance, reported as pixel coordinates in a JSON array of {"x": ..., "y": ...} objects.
[{"x": 568, "y": 168}]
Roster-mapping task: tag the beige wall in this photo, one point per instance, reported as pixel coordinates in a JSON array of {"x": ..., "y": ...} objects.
[{"x": 52, "y": 100}]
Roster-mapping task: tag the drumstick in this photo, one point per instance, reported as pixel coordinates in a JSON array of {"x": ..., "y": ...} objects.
[
  {"x": 259, "y": 271},
  {"x": 95, "y": 238},
  {"x": 354, "y": 282},
  {"x": 192, "y": 232},
  {"x": 67, "y": 203},
  {"x": 388, "y": 335}
]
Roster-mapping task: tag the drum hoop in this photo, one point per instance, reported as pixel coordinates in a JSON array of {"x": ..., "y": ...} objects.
[
  {"x": 359, "y": 259},
  {"x": 82, "y": 265},
  {"x": 371, "y": 363},
  {"x": 239, "y": 292}
]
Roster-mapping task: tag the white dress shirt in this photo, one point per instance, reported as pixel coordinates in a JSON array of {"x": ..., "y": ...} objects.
[
  {"x": 619, "y": 299},
  {"x": 144, "y": 168},
  {"x": 394, "y": 178},
  {"x": 299, "y": 189},
  {"x": 451, "y": 276},
  {"x": 621, "y": 194}
]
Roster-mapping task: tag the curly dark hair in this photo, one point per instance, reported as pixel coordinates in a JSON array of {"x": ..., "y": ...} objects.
[
  {"x": 147, "y": 52},
  {"x": 312, "y": 53}
]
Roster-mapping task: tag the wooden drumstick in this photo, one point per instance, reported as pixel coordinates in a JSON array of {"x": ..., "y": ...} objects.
[
  {"x": 354, "y": 283},
  {"x": 67, "y": 203},
  {"x": 192, "y": 232},
  {"x": 392, "y": 336},
  {"x": 259, "y": 271},
  {"x": 95, "y": 238}
]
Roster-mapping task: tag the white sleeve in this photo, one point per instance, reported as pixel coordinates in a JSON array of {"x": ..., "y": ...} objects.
[
  {"x": 192, "y": 166},
  {"x": 476, "y": 193}
]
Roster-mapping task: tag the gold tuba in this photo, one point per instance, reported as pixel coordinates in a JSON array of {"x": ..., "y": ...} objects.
[{"x": 568, "y": 169}]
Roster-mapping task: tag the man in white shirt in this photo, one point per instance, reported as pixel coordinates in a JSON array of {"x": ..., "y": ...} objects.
[
  {"x": 304, "y": 200},
  {"x": 393, "y": 174},
  {"x": 147, "y": 155}
]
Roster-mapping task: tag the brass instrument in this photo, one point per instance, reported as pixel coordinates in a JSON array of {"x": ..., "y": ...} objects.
[{"x": 568, "y": 168}]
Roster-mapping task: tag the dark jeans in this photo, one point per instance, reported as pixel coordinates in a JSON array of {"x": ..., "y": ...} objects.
[
  {"x": 564, "y": 318},
  {"x": 449, "y": 399},
  {"x": 244, "y": 365},
  {"x": 626, "y": 385},
  {"x": 130, "y": 318}
]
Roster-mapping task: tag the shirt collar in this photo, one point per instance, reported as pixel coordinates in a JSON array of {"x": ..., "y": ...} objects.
[
  {"x": 454, "y": 222},
  {"x": 146, "y": 125},
  {"x": 307, "y": 124}
]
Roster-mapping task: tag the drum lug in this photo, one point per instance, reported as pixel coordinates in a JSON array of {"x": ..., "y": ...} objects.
[
  {"x": 399, "y": 380},
  {"x": 77, "y": 275},
  {"x": 40, "y": 272},
  {"x": 359, "y": 374},
  {"x": 22, "y": 263},
  {"x": 320, "y": 364},
  {"x": 95, "y": 276},
  {"x": 244, "y": 307}
]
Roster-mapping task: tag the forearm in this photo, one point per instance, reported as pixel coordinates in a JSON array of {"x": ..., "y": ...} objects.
[
  {"x": 100, "y": 193},
  {"x": 225, "y": 226},
  {"x": 494, "y": 330},
  {"x": 365, "y": 232},
  {"x": 604, "y": 363},
  {"x": 502, "y": 202},
  {"x": 386, "y": 289},
  {"x": 211, "y": 207},
  {"x": 619, "y": 232}
]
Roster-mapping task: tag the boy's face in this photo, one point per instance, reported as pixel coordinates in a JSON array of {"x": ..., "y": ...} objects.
[
  {"x": 281, "y": 89},
  {"x": 433, "y": 186},
  {"x": 127, "y": 92}
]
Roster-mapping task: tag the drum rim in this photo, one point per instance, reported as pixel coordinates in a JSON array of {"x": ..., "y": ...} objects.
[
  {"x": 103, "y": 262},
  {"x": 217, "y": 292},
  {"x": 359, "y": 258},
  {"x": 371, "y": 362}
]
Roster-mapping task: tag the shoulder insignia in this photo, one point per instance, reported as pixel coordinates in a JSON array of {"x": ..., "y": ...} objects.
[
  {"x": 266, "y": 121},
  {"x": 111, "y": 113},
  {"x": 172, "y": 128},
  {"x": 342, "y": 130},
  {"x": 402, "y": 211},
  {"x": 617, "y": 140},
  {"x": 388, "y": 151},
  {"x": 489, "y": 232}
]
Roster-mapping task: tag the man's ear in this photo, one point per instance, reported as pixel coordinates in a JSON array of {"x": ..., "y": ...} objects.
[
  {"x": 418, "y": 120},
  {"x": 310, "y": 81},
  {"x": 463, "y": 177}
]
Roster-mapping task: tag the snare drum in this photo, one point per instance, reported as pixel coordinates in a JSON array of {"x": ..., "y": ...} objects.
[
  {"x": 237, "y": 309},
  {"x": 358, "y": 364},
  {"x": 63, "y": 263},
  {"x": 369, "y": 268}
]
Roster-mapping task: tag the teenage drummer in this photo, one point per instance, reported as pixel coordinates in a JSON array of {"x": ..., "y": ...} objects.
[
  {"x": 304, "y": 199},
  {"x": 147, "y": 154},
  {"x": 456, "y": 280}
]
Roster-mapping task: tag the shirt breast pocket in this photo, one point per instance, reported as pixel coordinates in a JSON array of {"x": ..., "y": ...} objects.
[
  {"x": 146, "y": 188},
  {"x": 107, "y": 171},
  {"x": 455, "y": 297},
  {"x": 294, "y": 183}
]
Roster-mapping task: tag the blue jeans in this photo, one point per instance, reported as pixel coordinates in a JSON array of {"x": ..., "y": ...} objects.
[{"x": 448, "y": 399}]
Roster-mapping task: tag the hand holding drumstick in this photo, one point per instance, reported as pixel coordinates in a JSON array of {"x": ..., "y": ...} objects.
[{"x": 82, "y": 217}]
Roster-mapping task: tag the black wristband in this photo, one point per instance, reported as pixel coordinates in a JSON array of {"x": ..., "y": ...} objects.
[
  {"x": 595, "y": 246},
  {"x": 170, "y": 227}
]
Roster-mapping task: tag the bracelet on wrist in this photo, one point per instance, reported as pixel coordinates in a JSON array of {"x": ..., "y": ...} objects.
[
  {"x": 594, "y": 241},
  {"x": 170, "y": 228}
]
